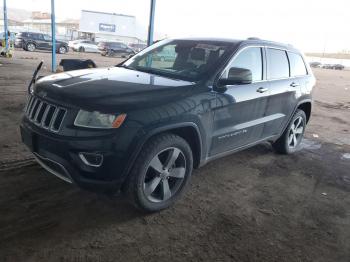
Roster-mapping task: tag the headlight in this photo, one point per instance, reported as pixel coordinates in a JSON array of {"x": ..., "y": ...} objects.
[{"x": 98, "y": 120}]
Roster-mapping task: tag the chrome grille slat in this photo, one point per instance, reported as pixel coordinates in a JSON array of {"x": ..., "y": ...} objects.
[
  {"x": 32, "y": 108},
  {"x": 53, "y": 118},
  {"x": 39, "y": 113},
  {"x": 44, "y": 115},
  {"x": 30, "y": 101},
  {"x": 30, "y": 105}
]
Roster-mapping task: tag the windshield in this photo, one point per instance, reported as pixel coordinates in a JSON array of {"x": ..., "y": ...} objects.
[{"x": 183, "y": 59}]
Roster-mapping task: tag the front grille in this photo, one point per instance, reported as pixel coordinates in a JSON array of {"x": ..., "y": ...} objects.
[{"x": 44, "y": 114}]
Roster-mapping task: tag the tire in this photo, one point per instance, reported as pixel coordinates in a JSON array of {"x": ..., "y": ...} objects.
[
  {"x": 62, "y": 50},
  {"x": 151, "y": 186},
  {"x": 30, "y": 47},
  {"x": 81, "y": 49},
  {"x": 291, "y": 138}
]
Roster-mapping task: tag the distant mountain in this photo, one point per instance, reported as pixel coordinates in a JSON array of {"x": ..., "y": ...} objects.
[{"x": 16, "y": 14}]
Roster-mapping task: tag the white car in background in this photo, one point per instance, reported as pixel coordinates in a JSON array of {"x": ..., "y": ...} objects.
[
  {"x": 85, "y": 46},
  {"x": 73, "y": 42}
]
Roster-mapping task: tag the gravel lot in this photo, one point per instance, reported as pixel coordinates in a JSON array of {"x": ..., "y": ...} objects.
[{"x": 251, "y": 206}]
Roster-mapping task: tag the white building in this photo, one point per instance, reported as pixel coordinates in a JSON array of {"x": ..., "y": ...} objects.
[{"x": 100, "y": 26}]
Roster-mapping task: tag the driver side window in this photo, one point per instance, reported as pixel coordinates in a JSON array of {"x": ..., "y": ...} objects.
[
  {"x": 250, "y": 58},
  {"x": 47, "y": 38}
]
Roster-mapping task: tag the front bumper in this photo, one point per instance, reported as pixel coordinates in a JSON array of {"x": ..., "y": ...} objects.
[{"x": 60, "y": 156}]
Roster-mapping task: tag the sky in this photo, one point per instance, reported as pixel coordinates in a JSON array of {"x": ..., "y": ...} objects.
[{"x": 311, "y": 25}]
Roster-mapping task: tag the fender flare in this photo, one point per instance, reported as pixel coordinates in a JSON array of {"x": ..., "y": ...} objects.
[
  {"x": 156, "y": 131},
  {"x": 303, "y": 101}
]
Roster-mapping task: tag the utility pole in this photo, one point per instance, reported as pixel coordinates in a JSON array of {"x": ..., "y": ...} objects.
[
  {"x": 5, "y": 28},
  {"x": 53, "y": 34},
  {"x": 151, "y": 23}
]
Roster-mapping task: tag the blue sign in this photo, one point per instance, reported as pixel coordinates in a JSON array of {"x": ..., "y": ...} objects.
[{"x": 107, "y": 27}]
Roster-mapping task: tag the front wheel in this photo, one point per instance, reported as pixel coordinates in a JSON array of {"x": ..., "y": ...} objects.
[
  {"x": 30, "y": 47},
  {"x": 291, "y": 138},
  {"x": 160, "y": 173}
]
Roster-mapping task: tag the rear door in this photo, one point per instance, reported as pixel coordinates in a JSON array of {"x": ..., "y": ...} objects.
[
  {"x": 48, "y": 42},
  {"x": 239, "y": 115},
  {"x": 283, "y": 91}
]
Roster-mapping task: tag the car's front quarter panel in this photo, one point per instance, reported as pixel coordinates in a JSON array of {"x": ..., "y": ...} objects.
[{"x": 194, "y": 111}]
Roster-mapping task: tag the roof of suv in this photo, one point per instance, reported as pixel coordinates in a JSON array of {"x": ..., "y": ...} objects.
[{"x": 249, "y": 41}]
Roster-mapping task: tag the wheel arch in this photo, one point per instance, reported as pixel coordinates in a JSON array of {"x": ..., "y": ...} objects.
[
  {"x": 306, "y": 107},
  {"x": 304, "y": 104},
  {"x": 187, "y": 130}
]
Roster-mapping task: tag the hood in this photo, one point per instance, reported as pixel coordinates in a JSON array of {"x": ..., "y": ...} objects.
[{"x": 111, "y": 89}]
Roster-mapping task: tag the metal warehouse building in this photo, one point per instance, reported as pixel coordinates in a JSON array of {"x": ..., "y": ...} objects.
[{"x": 100, "y": 26}]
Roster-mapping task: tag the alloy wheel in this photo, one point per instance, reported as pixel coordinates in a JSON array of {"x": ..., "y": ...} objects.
[
  {"x": 31, "y": 47},
  {"x": 296, "y": 132},
  {"x": 165, "y": 175},
  {"x": 62, "y": 50}
]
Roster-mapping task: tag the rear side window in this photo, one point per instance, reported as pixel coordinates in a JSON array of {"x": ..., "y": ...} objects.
[
  {"x": 277, "y": 64},
  {"x": 251, "y": 59},
  {"x": 297, "y": 65}
]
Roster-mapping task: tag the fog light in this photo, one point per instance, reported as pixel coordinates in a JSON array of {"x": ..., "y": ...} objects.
[{"x": 91, "y": 159}]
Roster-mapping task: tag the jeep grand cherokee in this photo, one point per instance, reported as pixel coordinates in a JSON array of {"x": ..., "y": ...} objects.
[{"x": 142, "y": 126}]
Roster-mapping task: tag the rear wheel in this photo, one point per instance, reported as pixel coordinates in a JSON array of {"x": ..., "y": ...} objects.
[
  {"x": 62, "y": 50},
  {"x": 160, "y": 173},
  {"x": 290, "y": 140},
  {"x": 30, "y": 47}
]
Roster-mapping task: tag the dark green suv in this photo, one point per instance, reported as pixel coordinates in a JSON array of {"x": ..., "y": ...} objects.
[
  {"x": 142, "y": 126},
  {"x": 37, "y": 41}
]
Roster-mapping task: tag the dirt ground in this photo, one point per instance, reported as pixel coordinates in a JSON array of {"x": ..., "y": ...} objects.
[{"x": 251, "y": 206}]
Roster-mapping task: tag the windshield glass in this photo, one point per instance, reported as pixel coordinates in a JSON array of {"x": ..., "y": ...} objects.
[{"x": 183, "y": 59}]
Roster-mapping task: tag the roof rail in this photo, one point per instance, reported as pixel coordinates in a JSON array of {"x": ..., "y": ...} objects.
[{"x": 253, "y": 38}]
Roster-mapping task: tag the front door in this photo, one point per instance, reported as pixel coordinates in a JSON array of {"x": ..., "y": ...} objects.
[
  {"x": 40, "y": 42},
  {"x": 240, "y": 113}
]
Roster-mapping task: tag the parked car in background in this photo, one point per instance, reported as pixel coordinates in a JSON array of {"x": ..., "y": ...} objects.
[
  {"x": 30, "y": 41},
  {"x": 85, "y": 46},
  {"x": 333, "y": 66},
  {"x": 137, "y": 47},
  {"x": 142, "y": 126},
  {"x": 327, "y": 66},
  {"x": 315, "y": 64},
  {"x": 73, "y": 42},
  {"x": 115, "y": 49},
  {"x": 338, "y": 67}
]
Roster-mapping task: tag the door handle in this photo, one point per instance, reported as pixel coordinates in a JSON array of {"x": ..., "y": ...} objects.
[
  {"x": 262, "y": 90},
  {"x": 294, "y": 84}
]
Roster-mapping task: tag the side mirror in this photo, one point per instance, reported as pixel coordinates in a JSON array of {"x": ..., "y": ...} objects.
[{"x": 237, "y": 76}]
